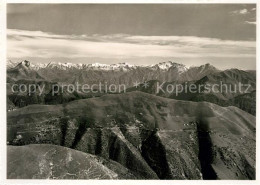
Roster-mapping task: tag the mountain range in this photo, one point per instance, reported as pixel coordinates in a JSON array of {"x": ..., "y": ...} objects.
[
  {"x": 140, "y": 134},
  {"x": 167, "y": 73},
  {"x": 150, "y": 136},
  {"x": 121, "y": 73}
]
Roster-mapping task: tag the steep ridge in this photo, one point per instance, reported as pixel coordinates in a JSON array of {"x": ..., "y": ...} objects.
[
  {"x": 121, "y": 73},
  {"x": 46, "y": 161},
  {"x": 143, "y": 132},
  {"x": 227, "y": 95},
  {"x": 57, "y": 74},
  {"x": 23, "y": 71},
  {"x": 197, "y": 72},
  {"x": 23, "y": 77},
  {"x": 246, "y": 102}
]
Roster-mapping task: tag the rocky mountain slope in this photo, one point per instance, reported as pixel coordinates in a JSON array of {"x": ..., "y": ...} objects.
[
  {"x": 151, "y": 136},
  {"x": 121, "y": 73},
  {"x": 54, "y": 73},
  {"x": 226, "y": 89},
  {"x": 25, "y": 75},
  {"x": 23, "y": 71},
  {"x": 44, "y": 161}
]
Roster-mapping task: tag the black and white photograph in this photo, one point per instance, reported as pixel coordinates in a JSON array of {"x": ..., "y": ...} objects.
[{"x": 130, "y": 91}]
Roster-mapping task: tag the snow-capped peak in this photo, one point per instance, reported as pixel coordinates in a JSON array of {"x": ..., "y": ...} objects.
[
  {"x": 119, "y": 66},
  {"x": 167, "y": 65},
  {"x": 10, "y": 64},
  {"x": 97, "y": 65},
  {"x": 25, "y": 63},
  {"x": 62, "y": 66}
]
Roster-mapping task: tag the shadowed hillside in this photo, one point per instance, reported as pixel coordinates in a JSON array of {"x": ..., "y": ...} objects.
[{"x": 142, "y": 131}]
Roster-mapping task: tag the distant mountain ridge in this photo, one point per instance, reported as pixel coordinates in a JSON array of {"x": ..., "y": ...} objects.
[
  {"x": 229, "y": 96},
  {"x": 106, "y": 67},
  {"x": 140, "y": 134},
  {"x": 121, "y": 73},
  {"x": 23, "y": 71}
]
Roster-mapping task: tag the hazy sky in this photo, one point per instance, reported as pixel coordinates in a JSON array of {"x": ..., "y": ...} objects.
[{"x": 193, "y": 34}]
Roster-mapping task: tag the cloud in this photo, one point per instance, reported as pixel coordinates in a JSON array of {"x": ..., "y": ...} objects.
[
  {"x": 22, "y": 44},
  {"x": 248, "y": 22},
  {"x": 242, "y": 11},
  {"x": 21, "y": 8}
]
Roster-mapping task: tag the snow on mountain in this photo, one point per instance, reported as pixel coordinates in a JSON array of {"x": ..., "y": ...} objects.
[
  {"x": 10, "y": 64},
  {"x": 23, "y": 70},
  {"x": 59, "y": 65},
  {"x": 164, "y": 66},
  {"x": 24, "y": 64},
  {"x": 117, "y": 73},
  {"x": 107, "y": 67}
]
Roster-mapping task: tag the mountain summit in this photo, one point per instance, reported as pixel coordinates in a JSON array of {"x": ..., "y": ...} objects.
[
  {"x": 23, "y": 71},
  {"x": 167, "y": 65},
  {"x": 99, "y": 66},
  {"x": 121, "y": 73}
]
